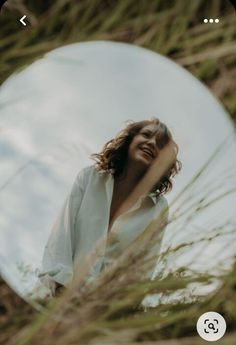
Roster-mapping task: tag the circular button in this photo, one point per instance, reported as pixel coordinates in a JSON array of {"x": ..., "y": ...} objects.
[{"x": 211, "y": 326}]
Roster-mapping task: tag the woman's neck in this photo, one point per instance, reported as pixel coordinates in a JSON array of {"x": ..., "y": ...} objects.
[{"x": 130, "y": 177}]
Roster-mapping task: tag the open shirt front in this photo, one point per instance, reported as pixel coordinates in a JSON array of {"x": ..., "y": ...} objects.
[{"x": 83, "y": 223}]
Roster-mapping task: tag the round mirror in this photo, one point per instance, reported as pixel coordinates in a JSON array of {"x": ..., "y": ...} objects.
[{"x": 65, "y": 106}]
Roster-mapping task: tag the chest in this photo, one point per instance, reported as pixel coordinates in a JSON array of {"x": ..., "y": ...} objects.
[{"x": 117, "y": 200}]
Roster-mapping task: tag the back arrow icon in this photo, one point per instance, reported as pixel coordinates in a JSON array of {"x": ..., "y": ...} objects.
[{"x": 22, "y": 20}]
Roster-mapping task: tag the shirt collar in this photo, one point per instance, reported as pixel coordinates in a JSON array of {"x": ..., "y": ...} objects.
[{"x": 153, "y": 197}]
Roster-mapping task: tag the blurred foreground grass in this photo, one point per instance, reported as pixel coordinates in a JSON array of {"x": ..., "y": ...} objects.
[
  {"x": 172, "y": 28},
  {"x": 110, "y": 313}
]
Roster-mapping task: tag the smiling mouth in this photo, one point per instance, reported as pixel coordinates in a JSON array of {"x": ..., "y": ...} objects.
[{"x": 148, "y": 152}]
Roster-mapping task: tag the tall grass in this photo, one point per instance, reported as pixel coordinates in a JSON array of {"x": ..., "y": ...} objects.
[{"x": 110, "y": 310}]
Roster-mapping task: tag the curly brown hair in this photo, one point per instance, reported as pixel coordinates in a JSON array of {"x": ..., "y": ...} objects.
[{"x": 114, "y": 153}]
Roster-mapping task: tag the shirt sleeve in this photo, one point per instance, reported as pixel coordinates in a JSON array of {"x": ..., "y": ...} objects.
[
  {"x": 152, "y": 255},
  {"x": 57, "y": 263}
]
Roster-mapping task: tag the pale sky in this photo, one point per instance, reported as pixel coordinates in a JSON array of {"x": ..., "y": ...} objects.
[{"x": 67, "y": 105}]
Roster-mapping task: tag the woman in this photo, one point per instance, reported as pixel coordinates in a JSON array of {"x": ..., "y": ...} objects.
[{"x": 112, "y": 202}]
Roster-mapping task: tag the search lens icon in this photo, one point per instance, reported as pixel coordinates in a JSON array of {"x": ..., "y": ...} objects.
[{"x": 211, "y": 326}]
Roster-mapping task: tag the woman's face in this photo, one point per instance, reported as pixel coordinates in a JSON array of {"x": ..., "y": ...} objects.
[{"x": 143, "y": 148}]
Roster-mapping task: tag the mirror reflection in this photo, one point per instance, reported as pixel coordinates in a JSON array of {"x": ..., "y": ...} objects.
[{"x": 66, "y": 106}]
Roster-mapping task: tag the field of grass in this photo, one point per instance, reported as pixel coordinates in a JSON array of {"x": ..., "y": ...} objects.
[{"x": 172, "y": 28}]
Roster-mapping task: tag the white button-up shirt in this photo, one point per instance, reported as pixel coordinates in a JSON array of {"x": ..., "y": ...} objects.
[{"x": 83, "y": 223}]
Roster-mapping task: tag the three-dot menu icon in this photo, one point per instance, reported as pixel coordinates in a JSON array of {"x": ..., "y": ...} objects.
[{"x": 211, "y": 21}]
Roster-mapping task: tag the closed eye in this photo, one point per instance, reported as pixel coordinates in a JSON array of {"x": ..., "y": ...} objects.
[{"x": 146, "y": 134}]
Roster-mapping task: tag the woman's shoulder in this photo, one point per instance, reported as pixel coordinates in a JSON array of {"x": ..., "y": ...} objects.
[
  {"x": 163, "y": 200},
  {"x": 86, "y": 172},
  {"x": 90, "y": 171},
  {"x": 162, "y": 203},
  {"x": 161, "y": 207},
  {"x": 159, "y": 200}
]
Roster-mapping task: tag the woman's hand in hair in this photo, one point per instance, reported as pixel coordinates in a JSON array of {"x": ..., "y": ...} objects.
[
  {"x": 164, "y": 161},
  {"x": 167, "y": 156}
]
